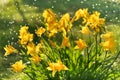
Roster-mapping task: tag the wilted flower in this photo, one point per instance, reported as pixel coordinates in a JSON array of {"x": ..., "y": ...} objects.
[
  {"x": 18, "y": 66},
  {"x": 54, "y": 67}
]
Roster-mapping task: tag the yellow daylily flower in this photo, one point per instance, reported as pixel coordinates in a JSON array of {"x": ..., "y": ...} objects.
[
  {"x": 40, "y": 31},
  {"x": 54, "y": 67},
  {"x": 64, "y": 21},
  {"x": 35, "y": 59},
  {"x": 23, "y": 30},
  {"x": 24, "y": 35},
  {"x": 95, "y": 22},
  {"x": 80, "y": 14},
  {"x": 108, "y": 45},
  {"x": 38, "y": 47},
  {"x": 85, "y": 30},
  {"x": 18, "y": 66},
  {"x": 107, "y": 36},
  {"x": 49, "y": 16},
  {"x": 53, "y": 32},
  {"x": 65, "y": 42},
  {"x": 80, "y": 44},
  {"x": 31, "y": 48},
  {"x": 26, "y": 38},
  {"x": 9, "y": 50}
]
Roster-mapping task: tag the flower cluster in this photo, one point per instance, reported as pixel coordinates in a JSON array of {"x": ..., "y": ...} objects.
[{"x": 56, "y": 35}]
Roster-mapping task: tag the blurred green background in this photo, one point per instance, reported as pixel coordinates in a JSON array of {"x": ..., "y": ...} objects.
[{"x": 16, "y": 13}]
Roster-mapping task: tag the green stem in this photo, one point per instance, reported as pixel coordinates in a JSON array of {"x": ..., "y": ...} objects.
[
  {"x": 96, "y": 48},
  {"x": 29, "y": 76}
]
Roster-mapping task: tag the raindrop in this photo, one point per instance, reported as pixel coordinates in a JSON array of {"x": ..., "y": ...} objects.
[
  {"x": 96, "y": 4},
  {"x": 35, "y": 0},
  {"x": 31, "y": 16},
  {"x": 105, "y": 2},
  {"x": 106, "y": 11},
  {"x": 30, "y": 7},
  {"x": 54, "y": 1},
  {"x": 100, "y": 10},
  {"x": 81, "y": 2},
  {"x": 12, "y": 38},
  {"x": 106, "y": 6},
  {"x": 16, "y": 33},
  {"x": 19, "y": 79},
  {"x": 3, "y": 33},
  {"x": 52, "y": 6},
  {"x": 111, "y": 20},
  {"x": 10, "y": 32},
  {"x": 116, "y": 18},
  {"x": 99, "y": 4},
  {"x": 11, "y": 22},
  {"x": 113, "y": 11},
  {"x": 7, "y": 8},
  {"x": 106, "y": 15},
  {"x": 8, "y": 16},
  {"x": 8, "y": 41},
  {"x": 68, "y": 0},
  {"x": 12, "y": 43},
  {"x": 24, "y": 10}
]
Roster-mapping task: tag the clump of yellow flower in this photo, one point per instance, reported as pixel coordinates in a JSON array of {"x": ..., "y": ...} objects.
[
  {"x": 18, "y": 66},
  {"x": 25, "y": 36},
  {"x": 54, "y": 67},
  {"x": 9, "y": 50},
  {"x": 53, "y": 27}
]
